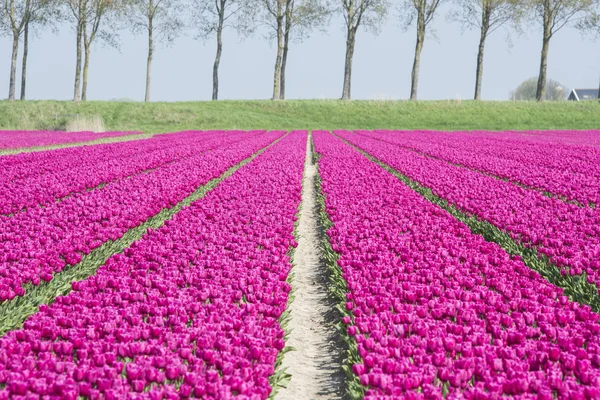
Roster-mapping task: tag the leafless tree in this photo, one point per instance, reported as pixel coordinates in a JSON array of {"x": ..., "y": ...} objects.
[
  {"x": 590, "y": 25},
  {"x": 48, "y": 16},
  {"x": 93, "y": 19},
  {"x": 212, "y": 17},
  {"x": 555, "y": 15},
  {"x": 423, "y": 11},
  {"x": 15, "y": 17},
  {"x": 368, "y": 14},
  {"x": 161, "y": 20},
  {"x": 286, "y": 19},
  {"x": 487, "y": 16}
]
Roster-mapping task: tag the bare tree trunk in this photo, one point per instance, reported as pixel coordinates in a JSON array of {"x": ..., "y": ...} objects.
[
  {"x": 479, "y": 71},
  {"x": 77, "y": 86},
  {"x": 13, "y": 65},
  {"x": 540, "y": 94},
  {"x": 286, "y": 42},
  {"x": 414, "y": 86},
  {"x": 350, "y": 39},
  {"x": 150, "y": 55},
  {"x": 277, "y": 74},
  {"x": 215, "y": 93},
  {"x": 24, "y": 64},
  {"x": 86, "y": 65},
  {"x": 283, "y": 64}
]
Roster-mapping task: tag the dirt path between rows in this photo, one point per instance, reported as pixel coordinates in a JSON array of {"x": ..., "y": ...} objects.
[{"x": 315, "y": 365}]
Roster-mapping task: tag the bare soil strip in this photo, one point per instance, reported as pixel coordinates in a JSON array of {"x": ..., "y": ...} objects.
[{"x": 315, "y": 366}]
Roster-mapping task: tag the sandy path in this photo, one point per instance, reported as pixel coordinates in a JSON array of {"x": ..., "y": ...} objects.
[{"x": 315, "y": 365}]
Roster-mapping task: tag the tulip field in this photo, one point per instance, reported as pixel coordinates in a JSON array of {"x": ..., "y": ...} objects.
[
  {"x": 17, "y": 139},
  {"x": 459, "y": 265}
]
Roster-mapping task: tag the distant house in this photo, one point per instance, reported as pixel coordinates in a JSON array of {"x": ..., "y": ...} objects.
[{"x": 583, "y": 94}]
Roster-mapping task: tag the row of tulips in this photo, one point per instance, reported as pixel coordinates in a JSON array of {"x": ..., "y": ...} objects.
[
  {"x": 190, "y": 310},
  {"x": 567, "y": 234},
  {"x": 38, "y": 180},
  {"x": 437, "y": 311},
  {"x": 43, "y": 241},
  {"x": 567, "y": 171},
  {"x": 23, "y": 165},
  {"x": 19, "y": 139}
]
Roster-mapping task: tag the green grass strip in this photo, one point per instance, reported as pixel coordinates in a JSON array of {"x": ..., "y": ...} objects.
[
  {"x": 338, "y": 288},
  {"x": 576, "y": 287},
  {"x": 157, "y": 117},
  {"x": 14, "y": 312}
]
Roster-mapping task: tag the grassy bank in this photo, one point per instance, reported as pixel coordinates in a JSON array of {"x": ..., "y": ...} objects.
[{"x": 305, "y": 114}]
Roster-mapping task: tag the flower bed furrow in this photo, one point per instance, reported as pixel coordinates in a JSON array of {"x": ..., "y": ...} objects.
[
  {"x": 192, "y": 309},
  {"x": 436, "y": 311},
  {"x": 55, "y": 176},
  {"x": 568, "y": 235},
  {"x": 43, "y": 241},
  {"x": 582, "y": 186}
]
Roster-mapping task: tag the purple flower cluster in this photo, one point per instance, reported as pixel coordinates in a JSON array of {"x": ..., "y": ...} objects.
[
  {"x": 569, "y": 171},
  {"x": 37, "y": 179},
  {"x": 438, "y": 311},
  {"x": 568, "y": 234},
  {"x": 18, "y": 139},
  {"x": 42, "y": 241},
  {"x": 190, "y": 310}
]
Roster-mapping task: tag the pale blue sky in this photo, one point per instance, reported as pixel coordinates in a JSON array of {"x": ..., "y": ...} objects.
[{"x": 382, "y": 65}]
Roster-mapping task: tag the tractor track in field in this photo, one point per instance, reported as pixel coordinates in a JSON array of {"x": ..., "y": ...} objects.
[{"x": 315, "y": 366}]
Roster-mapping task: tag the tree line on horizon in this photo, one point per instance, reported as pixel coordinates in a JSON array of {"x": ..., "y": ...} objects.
[{"x": 282, "y": 21}]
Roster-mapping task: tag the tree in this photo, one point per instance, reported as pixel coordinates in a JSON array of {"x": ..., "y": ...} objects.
[
  {"x": 424, "y": 11},
  {"x": 91, "y": 18},
  {"x": 287, "y": 18},
  {"x": 590, "y": 24},
  {"x": 16, "y": 15},
  {"x": 161, "y": 20},
  {"x": 213, "y": 16},
  {"x": 368, "y": 14},
  {"x": 528, "y": 89},
  {"x": 487, "y": 16},
  {"x": 50, "y": 14},
  {"x": 555, "y": 15}
]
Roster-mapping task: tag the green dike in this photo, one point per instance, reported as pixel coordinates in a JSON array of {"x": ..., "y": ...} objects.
[
  {"x": 158, "y": 117},
  {"x": 576, "y": 287},
  {"x": 14, "y": 312},
  {"x": 338, "y": 288},
  {"x": 113, "y": 139}
]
